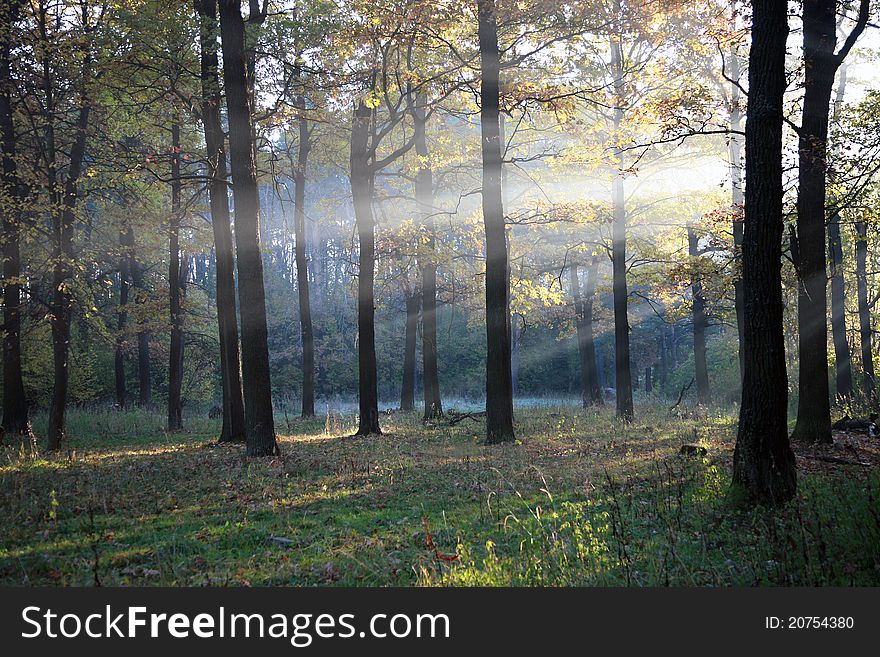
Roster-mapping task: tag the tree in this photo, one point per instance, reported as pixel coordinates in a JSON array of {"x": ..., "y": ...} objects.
[
  {"x": 233, "y": 429},
  {"x": 302, "y": 265},
  {"x": 763, "y": 463},
  {"x": 701, "y": 373},
  {"x": 407, "y": 391},
  {"x": 869, "y": 384},
  {"x": 176, "y": 288},
  {"x": 622, "y": 361},
  {"x": 428, "y": 265},
  {"x": 591, "y": 392},
  {"x": 842, "y": 355},
  {"x": 126, "y": 242},
  {"x": 12, "y": 197},
  {"x": 499, "y": 385},
  {"x": 259, "y": 420},
  {"x": 734, "y": 145},
  {"x": 364, "y": 166},
  {"x": 64, "y": 216},
  {"x": 362, "y": 195},
  {"x": 384, "y": 89},
  {"x": 145, "y": 386},
  {"x": 820, "y": 64}
]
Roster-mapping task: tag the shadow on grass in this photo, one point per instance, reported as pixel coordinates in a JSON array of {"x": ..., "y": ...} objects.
[{"x": 579, "y": 500}]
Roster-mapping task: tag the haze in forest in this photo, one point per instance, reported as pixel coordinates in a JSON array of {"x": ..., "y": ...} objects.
[{"x": 258, "y": 209}]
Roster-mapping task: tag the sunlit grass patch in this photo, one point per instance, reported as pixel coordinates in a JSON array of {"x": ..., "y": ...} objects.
[{"x": 579, "y": 499}]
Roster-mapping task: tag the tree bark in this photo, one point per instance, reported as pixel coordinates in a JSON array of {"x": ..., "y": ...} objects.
[
  {"x": 499, "y": 382},
  {"x": 663, "y": 364},
  {"x": 736, "y": 194},
  {"x": 259, "y": 421},
  {"x": 12, "y": 196},
  {"x": 428, "y": 265},
  {"x": 622, "y": 364},
  {"x": 362, "y": 195},
  {"x": 673, "y": 342},
  {"x": 622, "y": 367},
  {"x": 814, "y": 409},
  {"x": 869, "y": 384},
  {"x": 145, "y": 387},
  {"x": 842, "y": 355},
  {"x": 701, "y": 371},
  {"x": 233, "y": 429},
  {"x": 302, "y": 264},
  {"x": 594, "y": 388},
  {"x": 126, "y": 242},
  {"x": 591, "y": 392},
  {"x": 175, "y": 293},
  {"x": 64, "y": 256},
  {"x": 763, "y": 464},
  {"x": 63, "y": 218},
  {"x": 256, "y": 18},
  {"x": 515, "y": 329},
  {"x": 407, "y": 391},
  {"x": 649, "y": 384}
]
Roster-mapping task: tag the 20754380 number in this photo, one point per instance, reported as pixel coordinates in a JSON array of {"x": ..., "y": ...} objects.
[{"x": 820, "y": 622}]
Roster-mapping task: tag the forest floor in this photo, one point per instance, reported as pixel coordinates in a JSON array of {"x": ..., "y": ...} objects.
[{"x": 579, "y": 499}]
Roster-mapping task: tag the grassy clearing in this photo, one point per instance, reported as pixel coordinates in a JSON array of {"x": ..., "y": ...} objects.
[{"x": 579, "y": 499}]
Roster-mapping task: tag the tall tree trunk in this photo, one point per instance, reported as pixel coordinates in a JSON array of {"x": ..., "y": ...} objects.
[
  {"x": 175, "y": 284},
  {"x": 63, "y": 218},
  {"x": 407, "y": 391},
  {"x": 737, "y": 200},
  {"x": 699, "y": 319},
  {"x": 259, "y": 421},
  {"x": 869, "y": 384},
  {"x": 515, "y": 329},
  {"x": 673, "y": 346},
  {"x": 256, "y": 18},
  {"x": 842, "y": 355},
  {"x": 649, "y": 384},
  {"x": 593, "y": 385},
  {"x": 622, "y": 371},
  {"x": 763, "y": 463},
  {"x": 591, "y": 392},
  {"x": 362, "y": 196},
  {"x": 227, "y": 322},
  {"x": 145, "y": 386},
  {"x": 814, "y": 409},
  {"x": 663, "y": 364},
  {"x": 12, "y": 194},
  {"x": 62, "y": 299},
  {"x": 302, "y": 264},
  {"x": 622, "y": 364},
  {"x": 428, "y": 266},
  {"x": 499, "y": 382},
  {"x": 126, "y": 242}
]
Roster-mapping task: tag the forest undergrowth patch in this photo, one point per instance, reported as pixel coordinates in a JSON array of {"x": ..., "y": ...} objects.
[{"x": 579, "y": 499}]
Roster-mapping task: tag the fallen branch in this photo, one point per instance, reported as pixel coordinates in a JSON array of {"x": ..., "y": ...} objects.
[
  {"x": 455, "y": 418},
  {"x": 681, "y": 395}
]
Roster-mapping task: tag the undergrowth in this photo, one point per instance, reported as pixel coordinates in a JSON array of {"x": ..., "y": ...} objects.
[{"x": 579, "y": 499}]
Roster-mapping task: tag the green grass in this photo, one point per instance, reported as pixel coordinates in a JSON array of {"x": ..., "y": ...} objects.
[{"x": 579, "y": 500}]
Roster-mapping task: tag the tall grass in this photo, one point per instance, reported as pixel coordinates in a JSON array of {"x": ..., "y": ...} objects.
[
  {"x": 105, "y": 426},
  {"x": 678, "y": 529}
]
